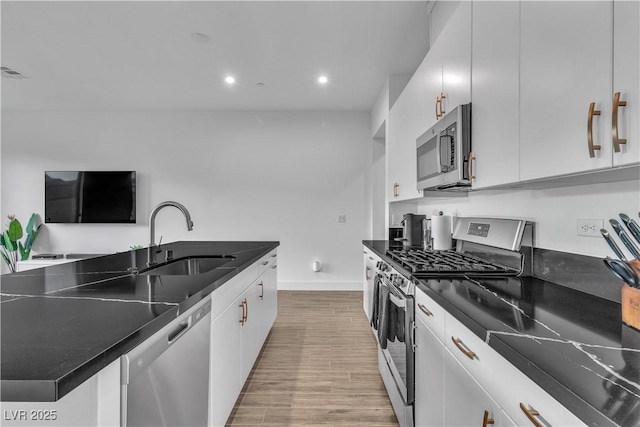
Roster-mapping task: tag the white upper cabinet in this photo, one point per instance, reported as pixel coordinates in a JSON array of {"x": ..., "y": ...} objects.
[
  {"x": 566, "y": 74},
  {"x": 406, "y": 123},
  {"x": 626, "y": 81},
  {"x": 495, "y": 93},
  {"x": 456, "y": 58},
  {"x": 447, "y": 69}
]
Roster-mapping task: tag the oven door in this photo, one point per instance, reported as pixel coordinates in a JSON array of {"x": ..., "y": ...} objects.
[{"x": 397, "y": 343}]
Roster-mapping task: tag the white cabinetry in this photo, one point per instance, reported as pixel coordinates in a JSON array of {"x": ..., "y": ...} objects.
[
  {"x": 495, "y": 93},
  {"x": 447, "y": 68},
  {"x": 493, "y": 372},
  {"x": 238, "y": 333},
  {"x": 370, "y": 261},
  {"x": 406, "y": 123},
  {"x": 566, "y": 50},
  {"x": 461, "y": 381},
  {"x": 226, "y": 362},
  {"x": 626, "y": 79},
  {"x": 95, "y": 402}
]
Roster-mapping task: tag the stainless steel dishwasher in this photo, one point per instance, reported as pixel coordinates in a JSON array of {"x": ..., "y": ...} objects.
[{"x": 165, "y": 380}]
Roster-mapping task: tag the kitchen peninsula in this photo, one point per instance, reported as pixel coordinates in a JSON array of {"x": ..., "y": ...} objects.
[{"x": 63, "y": 325}]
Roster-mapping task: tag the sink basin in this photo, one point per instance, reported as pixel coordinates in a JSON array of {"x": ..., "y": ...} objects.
[{"x": 189, "y": 266}]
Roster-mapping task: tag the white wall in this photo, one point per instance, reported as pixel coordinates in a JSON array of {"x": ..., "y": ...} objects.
[
  {"x": 554, "y": 211},
  {"x": 244, "y": 176}
]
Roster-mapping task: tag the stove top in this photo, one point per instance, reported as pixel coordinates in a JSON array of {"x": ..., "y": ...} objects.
[{"x": 423, "y": 263}]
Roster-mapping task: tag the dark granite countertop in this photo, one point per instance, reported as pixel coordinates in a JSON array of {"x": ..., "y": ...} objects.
[
  {"x": 572, "y": 344},
  {"x": 62, "y": 324}
]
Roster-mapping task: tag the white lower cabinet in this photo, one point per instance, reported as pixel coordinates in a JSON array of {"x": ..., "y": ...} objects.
[
  {"x": 237, "y": 336},
  {"x": 461, "y": 381},
  {"x": 370, "y": 260},
  {"x": 429, "y": 381},
  {"x": 226, "y": 363},
  {"x": 96, "y": 402},
  {"x": 466, "y": 403}
]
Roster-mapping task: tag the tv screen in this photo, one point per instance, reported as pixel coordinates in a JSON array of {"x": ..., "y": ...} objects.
[{"x": 90, "y": 196}]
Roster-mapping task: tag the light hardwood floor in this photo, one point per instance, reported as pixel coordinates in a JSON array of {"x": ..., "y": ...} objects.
[{"x": 318, "y": 367}]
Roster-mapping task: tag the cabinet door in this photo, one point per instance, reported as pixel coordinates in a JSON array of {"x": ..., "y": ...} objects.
[
  {"x": 406, "y": 123},
  {"x": 431, "y": 74},
  {"x": 465, "y": 401},
  {"x": 367, "y": 285},
  {"x": 495, "y": 93},
  {"x": 270, "y": 298},
  {"x": 565, "y": 66},
  {"x": 429, "y": 378},
  {"x": 253, "y": 328},
  {"x": 626, "y": 79},
  {"x": 456, "y": 58},
  {"x": 226, "y": 363}
]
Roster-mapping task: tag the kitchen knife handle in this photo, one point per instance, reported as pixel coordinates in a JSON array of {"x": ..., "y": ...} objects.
[
  {"x": 625, "y": 238},
  {"x": 614, "y": 122},
  {"x": 592, "y": 147},
  {"x": 612, "y": 244},
  {"x": 632, "y": 226}
]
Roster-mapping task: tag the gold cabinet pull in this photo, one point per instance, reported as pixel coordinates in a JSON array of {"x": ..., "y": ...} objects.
[
  {"x": 614, "y": 122},
  {"x": 442, "y": 112},
  {"x": 261, "y": 290},
  {"x": 463, "y": 348},
  {"x": 592, "y": 112},
  {"x": 472, "y": 157},
  {"x": 244, "y": 316},
  {"x": 437, "y": 110},
  {"x": 486, "y": 420},
  {"x": 246, "y": 313},
  {"x": 531, "y": 414},
  {"x": 396, "y": 190},
  {"x": 425, "y": 310},
  {"x": 366, "y": 273}
]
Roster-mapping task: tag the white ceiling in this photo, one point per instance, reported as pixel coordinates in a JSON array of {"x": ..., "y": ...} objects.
[{"x": 122, "y": 55}]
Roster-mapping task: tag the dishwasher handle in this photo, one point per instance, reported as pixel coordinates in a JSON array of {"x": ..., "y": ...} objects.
[{"x": 138, "y": 359}]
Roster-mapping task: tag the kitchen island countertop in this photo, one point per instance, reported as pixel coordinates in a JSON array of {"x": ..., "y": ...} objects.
[
  {"x": 572, "y": 344},
  {"x": 62, "y": 324}
]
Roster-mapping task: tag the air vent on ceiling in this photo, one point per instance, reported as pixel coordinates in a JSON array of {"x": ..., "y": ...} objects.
[{"x": 11, "y": 74}]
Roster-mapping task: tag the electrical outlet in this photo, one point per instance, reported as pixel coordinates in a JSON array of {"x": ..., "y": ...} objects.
[
  {"x": 342, "y": 219},
  {"x": 590, "y": 227}
]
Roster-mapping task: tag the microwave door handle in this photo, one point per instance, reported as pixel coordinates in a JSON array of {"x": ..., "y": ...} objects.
[{"x": 439, "y": 152}]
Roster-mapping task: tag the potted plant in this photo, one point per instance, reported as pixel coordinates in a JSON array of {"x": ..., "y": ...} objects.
[{"x": 11, "y": 248}]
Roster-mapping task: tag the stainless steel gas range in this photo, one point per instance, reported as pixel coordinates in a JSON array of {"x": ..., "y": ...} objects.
[{"x": 487, "y": 249}]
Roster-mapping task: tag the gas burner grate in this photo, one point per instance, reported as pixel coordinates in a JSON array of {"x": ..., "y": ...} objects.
[{"x": 451, "y": 262}]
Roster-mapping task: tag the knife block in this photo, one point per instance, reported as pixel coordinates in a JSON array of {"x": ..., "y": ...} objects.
[{"x": 630, "y": 301}]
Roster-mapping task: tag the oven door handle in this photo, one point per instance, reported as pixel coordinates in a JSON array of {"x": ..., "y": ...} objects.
[{"x": 398, "y": 301}]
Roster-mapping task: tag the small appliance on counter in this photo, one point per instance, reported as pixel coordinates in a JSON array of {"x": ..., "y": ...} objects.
[{"x": 412, "y": 230}]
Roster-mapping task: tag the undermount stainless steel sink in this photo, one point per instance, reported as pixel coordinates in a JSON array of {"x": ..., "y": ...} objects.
[{"x": 189, "y": 266}]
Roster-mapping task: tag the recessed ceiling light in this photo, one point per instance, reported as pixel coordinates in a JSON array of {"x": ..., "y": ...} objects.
[
  {"x": 260, "y": 84},
  {"x": 323, "y": 80},
  {"x": 230, "y": 80}
]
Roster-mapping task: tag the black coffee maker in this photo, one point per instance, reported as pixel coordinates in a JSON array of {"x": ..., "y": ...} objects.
[{"x": 412, "y": 230}]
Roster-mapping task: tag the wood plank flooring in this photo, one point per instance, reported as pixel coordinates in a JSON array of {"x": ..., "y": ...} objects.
[{"x": 318, "y": 367}]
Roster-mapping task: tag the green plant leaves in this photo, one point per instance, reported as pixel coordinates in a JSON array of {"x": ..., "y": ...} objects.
[{"x": 15, "y": 230}]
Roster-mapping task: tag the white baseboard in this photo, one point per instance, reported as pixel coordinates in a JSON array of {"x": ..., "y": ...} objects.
[{"x": 318, "y": 286}]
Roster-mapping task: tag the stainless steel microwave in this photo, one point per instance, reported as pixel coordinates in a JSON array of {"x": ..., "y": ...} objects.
[{"x": 443, "y": 153}]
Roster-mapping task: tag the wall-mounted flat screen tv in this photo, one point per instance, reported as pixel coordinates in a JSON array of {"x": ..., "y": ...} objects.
[{"x": 90, "y": 197}]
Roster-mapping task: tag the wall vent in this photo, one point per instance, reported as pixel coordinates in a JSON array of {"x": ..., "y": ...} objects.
[{"x": 11, "y": 74}]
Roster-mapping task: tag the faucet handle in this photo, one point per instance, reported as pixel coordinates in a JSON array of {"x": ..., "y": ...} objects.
[{"x": 169, "y": 255}]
